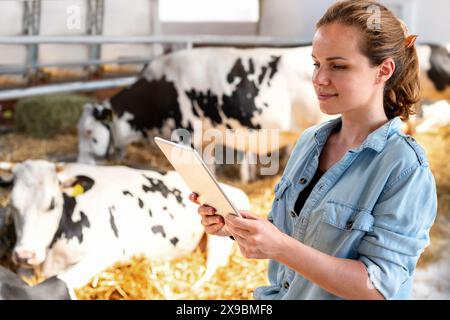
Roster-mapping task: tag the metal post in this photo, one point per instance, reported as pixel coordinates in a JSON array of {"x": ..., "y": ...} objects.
[
  {"x": 260, "y": 14},
  {"x": 95, "y": 11},
  {"x": 154, "y": 17},
  {"x": 30, "y": 26}
]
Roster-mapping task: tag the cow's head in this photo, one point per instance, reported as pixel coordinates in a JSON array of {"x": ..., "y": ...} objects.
[
  {"x": 36, "y": 206},
  {"x": 94, "y": 132}
]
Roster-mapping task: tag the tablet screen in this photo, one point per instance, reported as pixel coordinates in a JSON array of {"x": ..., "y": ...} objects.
[{"x": 188, "y": 163}]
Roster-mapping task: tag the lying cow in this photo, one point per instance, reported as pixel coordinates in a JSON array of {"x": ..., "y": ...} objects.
[
  {"x": 79, "y": 219},
  {"x": 432, "y": 117},
  {"x": 204, "y": 88}
]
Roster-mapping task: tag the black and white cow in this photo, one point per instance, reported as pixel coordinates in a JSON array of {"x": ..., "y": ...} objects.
[
  {"x": 435, "y": 71},
  {"x": 433, "y": 116},
  {"x": 434, "y": 64},
  {"x": 225, "y": 88},
  {"x": 201, "y": 89},
  {"x": 76, "y": 220}
]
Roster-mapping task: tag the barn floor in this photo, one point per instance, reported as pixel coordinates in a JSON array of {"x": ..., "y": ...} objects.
[{"x": 143, "y": 279}]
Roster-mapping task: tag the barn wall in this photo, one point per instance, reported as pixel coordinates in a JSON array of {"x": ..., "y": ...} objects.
[
  {"x": 432, "y": 21},
  {"x": 283, "y": 18},
  {"x": 10, "y": 11}
]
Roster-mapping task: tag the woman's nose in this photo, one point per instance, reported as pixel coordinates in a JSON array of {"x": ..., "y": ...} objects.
[{"x": 320, "y": 77}]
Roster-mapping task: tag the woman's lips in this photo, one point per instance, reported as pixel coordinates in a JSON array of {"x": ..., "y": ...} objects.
[{"x": 326, "y": 96}]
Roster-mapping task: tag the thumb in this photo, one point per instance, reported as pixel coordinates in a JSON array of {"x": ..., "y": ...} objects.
[{"x": 248, "y": 215}]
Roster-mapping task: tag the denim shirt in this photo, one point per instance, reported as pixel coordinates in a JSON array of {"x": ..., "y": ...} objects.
[{"x": 376, "y": 205}]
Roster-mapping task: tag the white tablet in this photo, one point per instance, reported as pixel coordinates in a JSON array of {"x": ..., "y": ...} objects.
[{"x": 188, "y": 163}]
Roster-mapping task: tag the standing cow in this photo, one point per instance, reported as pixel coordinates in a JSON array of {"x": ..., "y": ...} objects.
[
  {"x": 225, "y": 88},
  {"x": 201, "y": 89},
  {"x": 79, "y": 219}
]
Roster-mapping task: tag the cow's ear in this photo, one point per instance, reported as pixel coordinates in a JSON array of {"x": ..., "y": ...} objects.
[
  {"x": 102, "y": 114},
  {"x": 77, "y": 186},
  {"x": 108, "y": 115},
  {"x": 7, "y": 182}
]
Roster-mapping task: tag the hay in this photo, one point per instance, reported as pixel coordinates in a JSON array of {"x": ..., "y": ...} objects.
[
  {"x": 11, "y": 81},
  {"x": 44, "y": 117},
  {"x": 141, "y": 279},
  {"x": 17, "y": 147}
]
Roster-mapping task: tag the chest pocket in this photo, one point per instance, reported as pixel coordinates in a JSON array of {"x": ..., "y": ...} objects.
[
  {"x": 341, "y": 228},
  {"x": 280, "y": 188}
]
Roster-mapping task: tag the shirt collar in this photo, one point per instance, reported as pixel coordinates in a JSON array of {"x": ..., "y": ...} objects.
[{"x": 376, "y": 140}]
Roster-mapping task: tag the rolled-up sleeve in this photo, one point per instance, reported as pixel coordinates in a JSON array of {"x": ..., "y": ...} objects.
[{"x": 403, "y": 217}]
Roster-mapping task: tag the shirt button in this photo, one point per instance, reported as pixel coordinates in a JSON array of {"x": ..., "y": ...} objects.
[
  {"x": 293, "y": 214},
  {"x": 286, "y": 285},
  {"x": 303, "y": 180},
  {"x": 349, "y": 225}
]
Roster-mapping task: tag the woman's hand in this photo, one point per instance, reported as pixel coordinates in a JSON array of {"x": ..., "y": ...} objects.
[
  {"x": 257, "y": 237},
  {"x": 213, "y": 223}
]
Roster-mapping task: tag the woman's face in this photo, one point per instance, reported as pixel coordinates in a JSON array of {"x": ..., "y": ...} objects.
[{"x": 343, "y": 78}]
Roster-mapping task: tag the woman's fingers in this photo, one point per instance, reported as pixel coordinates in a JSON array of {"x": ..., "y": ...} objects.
[
  {"x": 242, "y": 233},
  {"x": 212, "y": 224},
  {"x": 211, "y": 220},
  {"x": 248, "y": 215},
  {"x": 212, "y": 229},
  {"x": 194, "y": 197},
  {"x": 206, "y": 211}
]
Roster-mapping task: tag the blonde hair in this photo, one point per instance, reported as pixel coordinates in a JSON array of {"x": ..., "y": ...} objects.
[{"x": 383, "y": 37}]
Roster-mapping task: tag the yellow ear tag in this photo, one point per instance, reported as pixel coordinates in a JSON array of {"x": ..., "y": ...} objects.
[{"x": 77, "y": 190}]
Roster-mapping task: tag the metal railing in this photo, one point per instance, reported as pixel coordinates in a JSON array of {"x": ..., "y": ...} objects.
[
  {"x": 164, "y": 39},
  {"x": 94, "y": 40},
  {"x": 188, "y": 41},
  {"x": 65, "y": 87}
]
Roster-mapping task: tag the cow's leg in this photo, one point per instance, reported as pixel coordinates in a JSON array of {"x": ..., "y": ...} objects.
[
  {"x": 119, "y": 153},
  {"x": 210, "y": 162},
  {"x": 218, "y": 252},
  {"x": 81, "y": 273},
  {"x": 248, "y": 168},
  {"x": 56, "y": 263}
]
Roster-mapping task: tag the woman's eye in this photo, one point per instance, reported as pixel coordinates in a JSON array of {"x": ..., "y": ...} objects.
[
  {"x": 52, "y": 205},
  {"x": 339, "y": 67},
  {"x": 316, "y": 65}
]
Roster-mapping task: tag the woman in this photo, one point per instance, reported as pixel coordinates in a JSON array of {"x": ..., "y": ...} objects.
[{"x": 354, "y": 206}]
